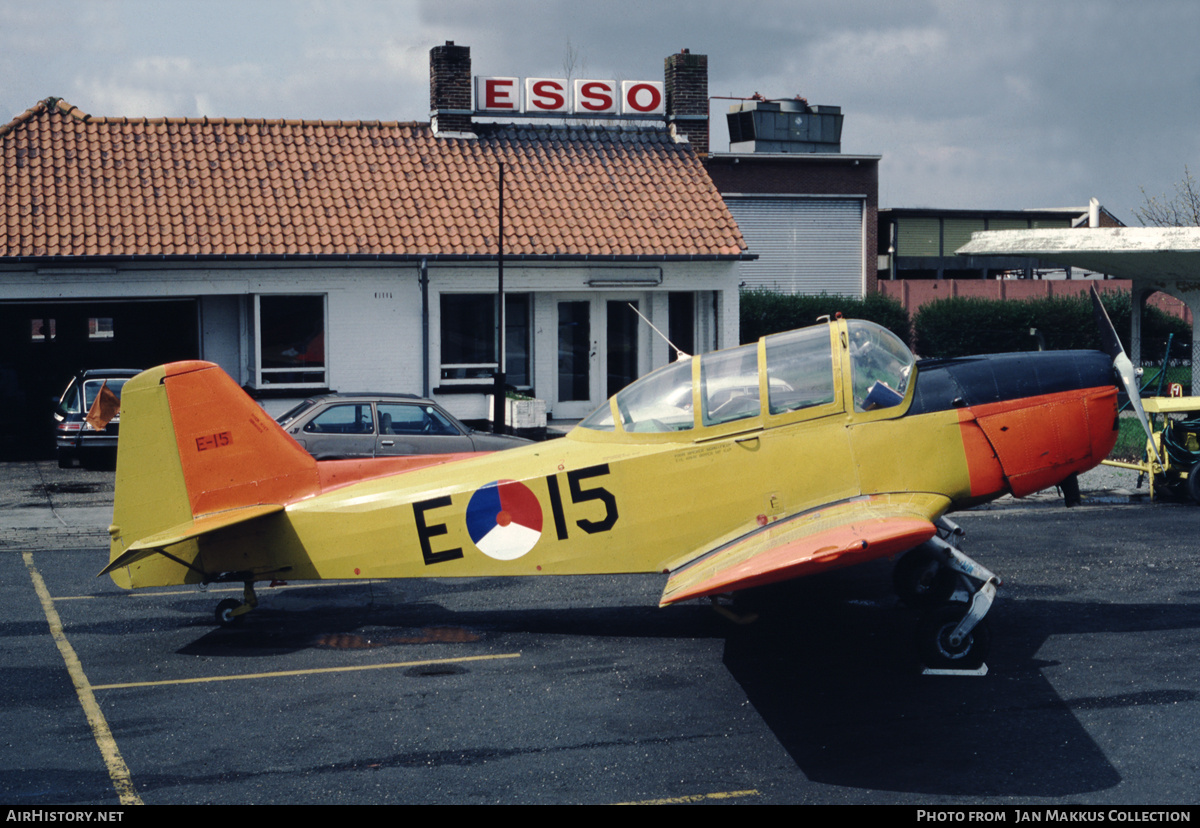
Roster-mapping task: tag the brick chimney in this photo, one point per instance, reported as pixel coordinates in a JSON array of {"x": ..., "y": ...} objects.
[
  {"x": 687, "y": 98},
  {"x": 450, "y": 90}
]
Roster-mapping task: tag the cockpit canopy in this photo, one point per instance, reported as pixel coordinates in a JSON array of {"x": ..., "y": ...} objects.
[{"x": 797, "y": 371}]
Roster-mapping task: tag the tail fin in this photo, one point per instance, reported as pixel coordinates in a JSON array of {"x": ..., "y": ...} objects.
[{"x": 195, "y": 454}]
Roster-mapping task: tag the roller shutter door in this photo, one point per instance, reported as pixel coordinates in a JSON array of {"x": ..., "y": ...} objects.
[{"x": 804, "y": 245}]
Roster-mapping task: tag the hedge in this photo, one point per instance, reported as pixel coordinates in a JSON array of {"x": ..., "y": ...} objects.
[
  {"x": 961, "y": 326},
  {"x": 766, "y": 312}
]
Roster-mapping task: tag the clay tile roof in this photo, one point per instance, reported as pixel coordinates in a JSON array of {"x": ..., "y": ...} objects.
[{"x": 77, "y": 185}]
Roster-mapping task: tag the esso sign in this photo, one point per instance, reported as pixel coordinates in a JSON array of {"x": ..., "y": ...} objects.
[{"x": 557, "y": 96}]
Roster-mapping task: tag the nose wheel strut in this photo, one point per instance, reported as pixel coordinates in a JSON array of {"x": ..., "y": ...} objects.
[{"x": 956, "y": 594}]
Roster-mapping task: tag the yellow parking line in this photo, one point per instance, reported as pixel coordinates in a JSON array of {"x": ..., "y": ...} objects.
[
  {"x": 282, "y": 673},
  {"x": 117, "y": 769},
  {"x": 684, "y": 800}
]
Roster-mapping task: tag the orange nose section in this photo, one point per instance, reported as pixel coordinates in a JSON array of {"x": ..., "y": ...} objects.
[{"x": 1028, "y": 444}]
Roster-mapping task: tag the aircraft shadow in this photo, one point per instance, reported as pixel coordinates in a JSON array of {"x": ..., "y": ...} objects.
[
  {"x": 395, "y": 613},
  {"x": 829, "y": 666},
  {"x": 837, "y": 683}
]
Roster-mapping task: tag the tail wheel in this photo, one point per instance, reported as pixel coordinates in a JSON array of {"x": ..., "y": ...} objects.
[
  {"x": 933, "y": 640},
  {"x": 224, "y": 613},
  {"x": 922, "y": 580}
]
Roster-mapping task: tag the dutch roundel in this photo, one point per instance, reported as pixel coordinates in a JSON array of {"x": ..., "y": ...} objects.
[{"x": 504, "y": 519}]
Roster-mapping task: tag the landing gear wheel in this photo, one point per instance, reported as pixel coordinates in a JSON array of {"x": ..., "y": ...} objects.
[
  {"x": 224, "y": 613},
  {"x": 1193, "y": 483},
  {"x": 921, "y": 580},
  {"x": 933, "y": 640}
]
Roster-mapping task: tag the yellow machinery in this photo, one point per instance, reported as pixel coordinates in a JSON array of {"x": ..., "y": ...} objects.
[{"x": 1172, "y": 461}]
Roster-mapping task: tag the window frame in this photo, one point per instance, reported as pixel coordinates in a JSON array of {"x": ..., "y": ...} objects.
[{"x": 486, "y": 370}]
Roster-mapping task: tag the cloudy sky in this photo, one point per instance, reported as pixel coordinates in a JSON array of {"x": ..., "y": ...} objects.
[{"x": 1001, "y": 104}]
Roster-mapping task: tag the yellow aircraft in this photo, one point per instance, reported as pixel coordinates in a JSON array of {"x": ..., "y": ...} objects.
[{"x": 812, "y": 449}]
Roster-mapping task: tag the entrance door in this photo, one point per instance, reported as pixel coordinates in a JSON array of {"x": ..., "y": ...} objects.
[{"x": 598, "y": 352}]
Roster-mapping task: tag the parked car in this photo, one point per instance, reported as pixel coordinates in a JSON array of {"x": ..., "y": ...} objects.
[
  {"x": 73, "y": 437},
  {"x": 383, "y": 425}
]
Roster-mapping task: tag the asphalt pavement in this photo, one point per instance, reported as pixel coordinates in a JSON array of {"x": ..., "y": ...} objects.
[{"x": 580, "y": 690}]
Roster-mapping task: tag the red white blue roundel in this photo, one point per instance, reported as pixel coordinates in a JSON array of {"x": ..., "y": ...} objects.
[{"x": 504, "y": 519}]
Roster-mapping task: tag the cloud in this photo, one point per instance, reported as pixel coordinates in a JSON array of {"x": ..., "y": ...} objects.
[{"x": 984, "y": 105}]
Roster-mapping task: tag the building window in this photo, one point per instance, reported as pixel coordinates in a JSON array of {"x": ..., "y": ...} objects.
[
  {"x": 291, "y": 340},
  {"x": 100, "y": 328},
  {"x": 42, "y": 330},
  {"x": 469, "y": 347}
]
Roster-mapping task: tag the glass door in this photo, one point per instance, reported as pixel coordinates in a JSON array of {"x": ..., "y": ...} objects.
[
  {"x": 599, "y": 350},
  {"x": 577, "y": 358}
]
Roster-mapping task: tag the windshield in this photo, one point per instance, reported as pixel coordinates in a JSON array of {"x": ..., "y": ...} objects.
[
  {"x": 293, "y": 413},
  {"x": 659, "y": 401},
  {"x": 880, "y": 366}
]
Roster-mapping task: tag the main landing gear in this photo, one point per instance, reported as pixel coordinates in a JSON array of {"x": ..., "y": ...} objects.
[
  {"x": 231, "y": 611},
  {"x": 956, "y": 593}
]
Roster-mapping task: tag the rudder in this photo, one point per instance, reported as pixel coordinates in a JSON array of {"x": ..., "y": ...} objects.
[{"x": 194, "y": 444}]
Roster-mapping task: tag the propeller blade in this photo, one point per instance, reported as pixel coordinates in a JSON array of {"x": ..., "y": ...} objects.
[{"x": 1122, "y": 366}]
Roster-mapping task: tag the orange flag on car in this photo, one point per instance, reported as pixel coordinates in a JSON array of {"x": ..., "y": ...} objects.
[{"x": 104, "y": 408}]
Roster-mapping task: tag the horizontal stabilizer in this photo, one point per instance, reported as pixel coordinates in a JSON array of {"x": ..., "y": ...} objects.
[
  {"x": 838, "y": 535},
  {"x": 147, "y": 546}
]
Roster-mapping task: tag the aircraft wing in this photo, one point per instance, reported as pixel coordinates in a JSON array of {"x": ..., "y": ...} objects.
[{"x": 841, "y": 534}]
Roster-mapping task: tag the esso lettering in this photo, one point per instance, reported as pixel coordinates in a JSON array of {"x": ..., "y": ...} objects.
[
  {"x": 643, "y": 98},
  {"x": 595, "y": 96},
  {"x": 497, "y": 94},
  {"x": 545, "y": 95}
]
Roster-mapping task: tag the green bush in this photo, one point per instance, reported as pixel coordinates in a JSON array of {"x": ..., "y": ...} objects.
[
  {"x": 765, "y": 312},
  {"x": 961, "y": 326}
]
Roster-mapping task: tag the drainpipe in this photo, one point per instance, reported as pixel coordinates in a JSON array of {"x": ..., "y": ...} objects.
[{"x": 423, "y": 280}]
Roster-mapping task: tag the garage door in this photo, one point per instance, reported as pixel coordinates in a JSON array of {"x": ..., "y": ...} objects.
[
  {"x": 43, "y": 343},
  {"x": 804, "y": 245}
]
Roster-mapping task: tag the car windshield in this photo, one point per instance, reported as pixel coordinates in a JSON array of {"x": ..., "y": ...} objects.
[{"x": 293, "y": 413}]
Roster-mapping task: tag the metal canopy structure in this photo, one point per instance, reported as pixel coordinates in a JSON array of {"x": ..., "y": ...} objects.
[{"x": 1163, "y": 259}]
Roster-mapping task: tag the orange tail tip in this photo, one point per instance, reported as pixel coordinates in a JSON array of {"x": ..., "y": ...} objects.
[{"x": 231, "y": 451}]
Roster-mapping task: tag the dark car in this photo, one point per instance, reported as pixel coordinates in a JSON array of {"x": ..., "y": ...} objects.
[
  {"x": 73, "y": 437},
  {"x": 383, "y": 425}
]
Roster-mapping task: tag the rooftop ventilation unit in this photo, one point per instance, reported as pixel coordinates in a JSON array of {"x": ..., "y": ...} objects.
[{"x": 784, "y": 126}]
